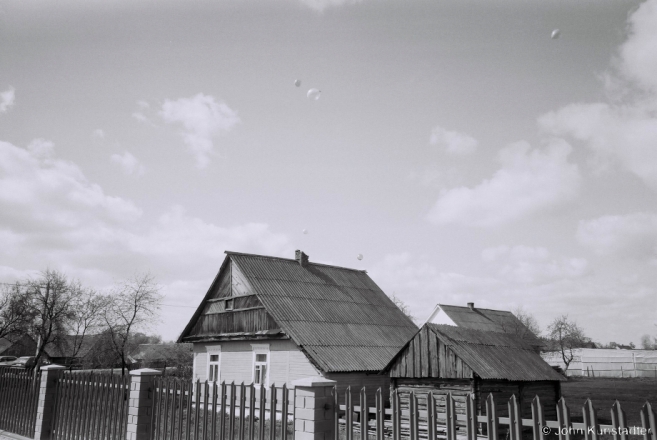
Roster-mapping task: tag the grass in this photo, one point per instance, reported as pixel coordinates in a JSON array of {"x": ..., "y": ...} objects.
[{"x": 632, "y": 393}]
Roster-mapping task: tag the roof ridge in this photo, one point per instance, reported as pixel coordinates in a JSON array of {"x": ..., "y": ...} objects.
[
  {"x": 476, "y": 308},
  {"x": 312, "y": 263}
]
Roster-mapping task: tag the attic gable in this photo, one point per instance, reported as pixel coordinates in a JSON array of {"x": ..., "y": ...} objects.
[{"x": 230, "y": 310}]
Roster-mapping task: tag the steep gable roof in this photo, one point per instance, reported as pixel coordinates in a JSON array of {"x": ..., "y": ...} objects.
[
  {"x": 447, "y": 351},
  {"x": 495, "y": 355},
  {"x": 499, "y": 321},
  {"x": 338, "y": 316}
]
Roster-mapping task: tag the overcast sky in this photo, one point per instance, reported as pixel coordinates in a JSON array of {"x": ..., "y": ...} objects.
[{"x": 466, "y": 154}]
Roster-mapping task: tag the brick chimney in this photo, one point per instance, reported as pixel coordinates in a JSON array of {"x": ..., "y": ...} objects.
[
  {"x": 471, "y": 305},
  {"x": 301, "y": 258}
]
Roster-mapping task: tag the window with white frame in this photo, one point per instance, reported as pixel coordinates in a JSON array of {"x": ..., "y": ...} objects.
[
  {"x": 261, "y": 364},
  {"x": 214, "y": 359}
]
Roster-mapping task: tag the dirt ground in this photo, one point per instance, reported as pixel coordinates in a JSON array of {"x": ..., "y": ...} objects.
[{"x": 631, "y": 393}]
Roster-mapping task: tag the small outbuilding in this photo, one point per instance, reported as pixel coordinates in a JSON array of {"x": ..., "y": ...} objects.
[{"x": 445, "y": 358}]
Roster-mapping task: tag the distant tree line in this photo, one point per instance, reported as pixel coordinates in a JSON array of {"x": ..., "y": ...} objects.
[{"x": 57, "y": 311}]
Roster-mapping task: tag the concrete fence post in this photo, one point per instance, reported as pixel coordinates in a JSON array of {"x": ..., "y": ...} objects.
[
  {"x": 45, "y": 408},
  {"x": 314, "y": 417},
  {"x": 140, "y": 405}
]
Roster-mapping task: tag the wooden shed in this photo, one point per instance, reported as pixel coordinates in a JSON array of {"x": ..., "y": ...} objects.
[
  {"x": 270, "y": 320},
  {"x": 444, "y": 358}
]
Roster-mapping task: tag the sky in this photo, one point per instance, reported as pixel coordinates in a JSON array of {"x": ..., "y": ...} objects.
[{"x": 463, "y": 151}]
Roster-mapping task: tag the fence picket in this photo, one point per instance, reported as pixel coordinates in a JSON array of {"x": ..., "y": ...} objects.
[
  {"x": 164, "y": 394},
  {"x": 272, "y": 413},
  {"x": 190, "y": 395},
  {"x": 450, "y": 425},
  {"x": 648, "y": 422},
  {"x": 538, "y": 419},
  {"x": 231, "y": 418},
  {"x": 380, "y": 415},
  {"x": 284, "y": 409},
  {"x": 174, "y": 398},
  {"x": 197, "y": 407},
  {"x": 590, "y": 418},
  {"x": 336, "y": 413},
  {"x": 413, "y": 419},
  {"x": 213, "y": 436},
  {"x": 363, "y": 414},
  {"x": 242, "y": 410},
  {"x": 471, "y": 417},
  {"x": 181, "y": 408},
  {"x": 618, "y": 421},
  {"x": 563, "y": 419},
  {"x": 396, "y": 416},
  {"x": 263, "y": 408},
  {"x": 252, "y": 401},
  {"x": 491, "y": 418},
  {"x": 515, "y": 420},
  {"x": 349, "y": 415},
  {"x": 431, "y": 416},
  {"x": 206, "y": 409}
]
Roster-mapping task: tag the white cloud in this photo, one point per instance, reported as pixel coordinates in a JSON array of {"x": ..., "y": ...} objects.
[
  {"x": 624, "y": 130},
  {"x": 98, "y": 133},
  {"x": 533, "y": 265},
  {"x": 142, "y": 113},
  {"x": 7, "y": 99},
  {"x": 529, "y": 181},
  {"x": 41, "y": 192},
  {"x": 203, "y": 118},
  {"x": 543, "y": 284},
  {"x": 453, "y": 142},
  {"x": 128, "y": 163},
  {"x": 52, "y": 216},
  {"x": 421, "y": 285},
  {"x": 631, "y": 235}
]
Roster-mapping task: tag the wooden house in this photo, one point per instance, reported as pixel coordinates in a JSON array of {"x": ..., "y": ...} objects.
[
  {"x": 499, "y": 321},
  {"x": 445, "y": 358},
  {"x": 272, "y": 320}
]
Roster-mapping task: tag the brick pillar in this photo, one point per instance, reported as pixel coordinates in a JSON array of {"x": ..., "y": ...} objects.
[
  {"x": 313, "y": 409},
  {"x": 45, "y": 408},
  {"x": 140, "y": 406}
]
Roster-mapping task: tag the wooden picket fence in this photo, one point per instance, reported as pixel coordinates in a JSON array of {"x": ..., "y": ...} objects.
[
  {"x": 19, "y": 396},
  {"x": 395, "y": 423},
  {"x": 207, "y": 410},
  {"x": 91, "y": 407}
]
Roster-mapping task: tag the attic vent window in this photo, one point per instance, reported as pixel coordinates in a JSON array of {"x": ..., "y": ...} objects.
[{"x": 229, "y": 304}]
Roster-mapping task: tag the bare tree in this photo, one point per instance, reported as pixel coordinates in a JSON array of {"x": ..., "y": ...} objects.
[
  {"x": 566, "y": 336},
  {"x": 527, "y": 324},
  {"x": 132, "y": 305},
  {"x": 16, "y": 315},
  {"x": 648, "y": 342},
  {"x": 401, "y": 305},
  {"x": 87, "y": 321},
  {"x": 52, "y": 298}
]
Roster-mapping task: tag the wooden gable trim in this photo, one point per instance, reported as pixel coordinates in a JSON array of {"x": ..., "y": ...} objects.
[
  {"x": 412, "y": 361},
  {"x": 201, "y": 306}
]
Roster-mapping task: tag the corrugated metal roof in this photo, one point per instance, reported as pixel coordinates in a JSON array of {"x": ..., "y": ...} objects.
[
  {"x": 500, "y": 321},
  {"x": 494, "y": 355},
  {"x": 339, "y": 316}
]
